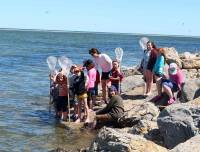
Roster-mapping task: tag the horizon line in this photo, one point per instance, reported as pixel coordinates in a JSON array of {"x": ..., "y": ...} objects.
[{"x": 99, "y": 32}]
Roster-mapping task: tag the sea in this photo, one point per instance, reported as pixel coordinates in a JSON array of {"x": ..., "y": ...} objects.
[{"x": 26, "y": 121}]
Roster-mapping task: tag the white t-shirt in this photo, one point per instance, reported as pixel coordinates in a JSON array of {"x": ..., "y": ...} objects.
[{"x": 104, "y": 61}]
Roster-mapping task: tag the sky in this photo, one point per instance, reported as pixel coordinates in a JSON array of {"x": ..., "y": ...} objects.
[{"x": 168, "y": 17}]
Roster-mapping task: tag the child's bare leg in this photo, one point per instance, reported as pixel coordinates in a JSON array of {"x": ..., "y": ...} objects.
[
  {"x": 64, "y": 116},
  {"x": 79, "y": 111}
]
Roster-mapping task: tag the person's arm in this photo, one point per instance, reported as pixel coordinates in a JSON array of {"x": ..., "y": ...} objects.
[
  {"x": 107, "y": 108},
  {"x": 87, "y": 81},
  {"x": 116, "y": 78}
]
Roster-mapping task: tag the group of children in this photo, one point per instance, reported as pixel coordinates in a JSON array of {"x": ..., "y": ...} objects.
[{"x": 81, "y": 87}]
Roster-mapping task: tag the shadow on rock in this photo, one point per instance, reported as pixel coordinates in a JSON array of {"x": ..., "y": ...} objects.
[{"x": 132, "y": 97}]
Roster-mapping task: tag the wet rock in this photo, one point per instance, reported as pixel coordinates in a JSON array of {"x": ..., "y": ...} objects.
[
  {"x": 191, "y": 145},
  {"x": 178, "y": 123},
  {"x": 112, "y": 140},
  {"x": 190, "y": 90},
  {"x": 172, "y": 56}
]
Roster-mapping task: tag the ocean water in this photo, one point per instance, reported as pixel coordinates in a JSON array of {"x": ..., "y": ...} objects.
[{"x": 25, "y": 121}]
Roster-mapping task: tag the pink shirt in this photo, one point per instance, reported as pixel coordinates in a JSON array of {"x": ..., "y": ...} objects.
[
  {"x": 178, "y": 78},
  {"x": 92, "y": 78}
]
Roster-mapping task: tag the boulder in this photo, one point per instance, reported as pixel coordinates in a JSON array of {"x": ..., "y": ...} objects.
[
  {"x": 178, "y": 123},
  {"x": 171, "y": 55},
  {"x": 146, "y": 110},
  {"x": 131, "y": 82},
  {"x": 191, "y": 145},
  {"x": 143, "y": 127},
  {"x": 191, "y": 63},
  {"x": 112, "y": 140},
  {"x": 190, "y": 90}
]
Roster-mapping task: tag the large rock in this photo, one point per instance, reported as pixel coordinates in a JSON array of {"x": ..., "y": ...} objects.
[
  {"x": 191, "y": 63},
  {"x": 179, "y": 122},
  {"x": 131, "y": 82},
  {"x": 146, "y": 110},
  {"x": 190, "y": 90},
  {"x": 191, "y": 73},
  {"x": 111, "y": 140},
  {"x": 172, "y": 55},
  {"x": 191, "y": 145}
]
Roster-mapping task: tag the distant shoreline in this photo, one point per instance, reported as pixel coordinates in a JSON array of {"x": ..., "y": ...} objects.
[{"x": 91, "y": 32}]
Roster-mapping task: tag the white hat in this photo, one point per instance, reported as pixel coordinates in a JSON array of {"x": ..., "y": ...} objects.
[{"x": 173, "y": 68}]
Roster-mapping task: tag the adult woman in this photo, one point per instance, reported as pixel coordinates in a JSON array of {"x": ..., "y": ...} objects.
[
  {"x": 105, "y": 62},
  {"x": 151, "y": 62}
]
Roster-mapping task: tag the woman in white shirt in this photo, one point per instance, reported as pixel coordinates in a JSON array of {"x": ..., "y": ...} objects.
[{"x": 105, "y": 63}]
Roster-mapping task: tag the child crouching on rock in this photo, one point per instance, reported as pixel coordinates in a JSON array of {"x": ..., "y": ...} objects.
[{"x": 174, "y": 83}]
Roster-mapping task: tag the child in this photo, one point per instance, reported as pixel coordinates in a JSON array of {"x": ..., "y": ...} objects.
[
  {"x": 115, "y": 75},
  {"x": 61, "y": 105},
  {"x": 91, "y": 82},
  {"x": 54, "y": 92},
  {"x": 158, "y": 70},
  {"x": 73, "y": 100},
  {"x": 81, "y": 92},
  {"x": 174, "y": 83}
]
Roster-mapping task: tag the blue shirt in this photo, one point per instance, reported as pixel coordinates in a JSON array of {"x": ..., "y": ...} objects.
[{"x": 159, "y": 65}]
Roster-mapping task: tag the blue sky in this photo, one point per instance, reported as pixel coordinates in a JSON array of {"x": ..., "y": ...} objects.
[{"x": 171, "y": 17}]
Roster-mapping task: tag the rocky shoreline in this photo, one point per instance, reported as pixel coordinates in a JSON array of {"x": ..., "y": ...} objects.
[{"x": 176, "y": 128}]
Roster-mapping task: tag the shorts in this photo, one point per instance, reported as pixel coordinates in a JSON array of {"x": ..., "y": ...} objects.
[
  {"x": 90, "y": 93},
  {"x": 105, "y": 75},
  {"x": 61, "y": 104},
  {"x": 82, "y": 96},
  {"x": 170, "y": 84}
]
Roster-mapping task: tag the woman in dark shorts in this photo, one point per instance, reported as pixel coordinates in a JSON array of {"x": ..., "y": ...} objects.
[
  {"x": 152, "y": 60},
  {"x": 105, "y": 63}
]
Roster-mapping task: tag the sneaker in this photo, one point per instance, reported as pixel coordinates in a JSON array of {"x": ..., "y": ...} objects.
[{"x": 170, "y": 101}]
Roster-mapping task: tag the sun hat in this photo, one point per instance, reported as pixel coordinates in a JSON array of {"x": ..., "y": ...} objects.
[{"x": 173, "y": 68}]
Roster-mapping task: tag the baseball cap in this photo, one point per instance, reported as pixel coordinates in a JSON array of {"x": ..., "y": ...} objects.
[
  {"x": 113, "y": 88},
  {"x": 173, "y": 68}
]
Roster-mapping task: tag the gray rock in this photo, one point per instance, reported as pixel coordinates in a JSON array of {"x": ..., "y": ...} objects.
[
  {"x": 190, "y": 90},
  {"x": 131, "y": 82},
  {"x": 172, "y": 56},
  {"x": 178, "y": 122},
  {"x": 191, "y": 145},
  {"x": 112, "y": 140},
  {"x": 147, "y": 111}
]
